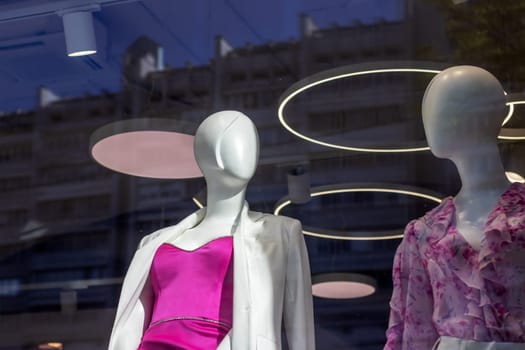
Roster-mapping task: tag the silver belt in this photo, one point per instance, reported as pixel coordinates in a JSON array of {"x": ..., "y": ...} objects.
[{"x": 193, "y": 318}]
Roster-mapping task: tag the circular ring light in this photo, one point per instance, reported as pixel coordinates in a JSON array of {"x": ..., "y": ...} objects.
[
  {"x": 360, "y": 187},
  {"x": 512, "y": 100},
  {"x": 512, "y": 134},
  {"x": 147, "y": 147},
  {"x": 379, "y": 68},
  {"x": 342, "y": 285},
  {"x": 510, "y": 112},
  {"x": 514, "y": 177},
  {"x": 352, "y": 71}
]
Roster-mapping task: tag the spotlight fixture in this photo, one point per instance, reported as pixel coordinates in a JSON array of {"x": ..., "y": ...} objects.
[
  {"x": 79, "y": 30},
  {"x": 147, "y": 147},
  {"x": 361, "y": 235},
  {"x": 343, "y": 285},
  {"x": 299, "y": 185}
]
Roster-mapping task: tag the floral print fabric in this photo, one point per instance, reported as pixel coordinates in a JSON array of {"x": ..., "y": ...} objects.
[{"x": 444, "y": 287}]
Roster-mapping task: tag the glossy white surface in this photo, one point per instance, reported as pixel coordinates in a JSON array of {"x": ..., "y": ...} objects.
[
  {"x": 463, "y": 110},
  {"x": 227, "y": 152}
]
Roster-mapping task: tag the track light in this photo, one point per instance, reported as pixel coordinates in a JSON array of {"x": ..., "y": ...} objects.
[
  {"x": 299, "y": 185},
  {"x": 79, "y": 32}
]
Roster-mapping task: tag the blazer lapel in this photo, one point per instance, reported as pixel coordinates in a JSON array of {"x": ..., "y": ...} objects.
[
  {"x": 140, "y": 265},
  {"x": 243, "y": 235}
]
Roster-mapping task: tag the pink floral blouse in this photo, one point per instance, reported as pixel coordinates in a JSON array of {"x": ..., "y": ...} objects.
[{"x": 444, "y": 287}]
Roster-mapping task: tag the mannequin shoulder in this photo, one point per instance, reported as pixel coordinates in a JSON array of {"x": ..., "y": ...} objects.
[
  {"x": 150, "y": 237},
  {"x": 284, "y": 223},
  {"x": 432, "y": 226}
]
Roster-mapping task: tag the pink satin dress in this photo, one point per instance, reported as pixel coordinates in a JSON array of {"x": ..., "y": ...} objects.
[{"x": 193, "y": 297}]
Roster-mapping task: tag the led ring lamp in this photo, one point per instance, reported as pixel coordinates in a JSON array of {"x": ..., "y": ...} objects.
[
  {"x": 378, "y": 68},
  {"x": 513, "y": 134},
  {"x": 361, "y": 235}
]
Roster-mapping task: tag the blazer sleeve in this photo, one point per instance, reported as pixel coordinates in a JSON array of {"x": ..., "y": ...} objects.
[
  {"x": 298, "y": 306},
  {"x": 411, "y": 306},
  {"x": 127, "y": 331}
]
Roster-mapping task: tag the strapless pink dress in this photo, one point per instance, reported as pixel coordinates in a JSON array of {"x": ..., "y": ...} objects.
[{"x": 193, "y": 297}]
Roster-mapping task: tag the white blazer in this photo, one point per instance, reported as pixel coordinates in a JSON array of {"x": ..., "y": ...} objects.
[{"x": 271, "y": 280}]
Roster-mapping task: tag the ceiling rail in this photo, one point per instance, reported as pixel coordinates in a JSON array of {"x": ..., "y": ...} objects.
[{"x": 16, "y": 13}]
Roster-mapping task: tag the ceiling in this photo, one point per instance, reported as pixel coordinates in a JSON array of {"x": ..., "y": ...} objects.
[{"x": 33, "y": 53}]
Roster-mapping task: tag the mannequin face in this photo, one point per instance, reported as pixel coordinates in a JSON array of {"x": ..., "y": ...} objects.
[
  {"x": 239, "y": 149},
  {"x": 463, "y": 109},
  {"x": 227, "y": 149}
]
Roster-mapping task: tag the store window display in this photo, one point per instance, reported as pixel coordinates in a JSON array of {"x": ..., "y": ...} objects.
[
  {"x": 224, "y": 277},
  {"x": 459, "y": 273}
]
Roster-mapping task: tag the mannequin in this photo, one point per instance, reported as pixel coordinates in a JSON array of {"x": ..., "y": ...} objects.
[
  {"x": 228, "y": 161},
  {"x": 459, "y": 273},
  {"x": 271, "y": 276},
  {"x": 462, "y": 122}
]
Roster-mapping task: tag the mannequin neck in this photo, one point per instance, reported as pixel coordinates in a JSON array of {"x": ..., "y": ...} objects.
[
  {"x": 481, "y": 171},
  {"x": 224, "y": 205}
]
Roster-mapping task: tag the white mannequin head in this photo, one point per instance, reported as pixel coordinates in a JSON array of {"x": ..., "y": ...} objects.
[
  {"x": 463, "y": 109},
  {"x": 227, "y": 150}
]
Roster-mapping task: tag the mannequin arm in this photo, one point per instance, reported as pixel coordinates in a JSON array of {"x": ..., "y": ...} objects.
[
  {"x": 411, "y": 306},
  {"x": 298, "y": 306}
]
